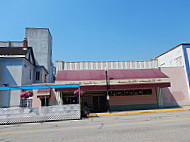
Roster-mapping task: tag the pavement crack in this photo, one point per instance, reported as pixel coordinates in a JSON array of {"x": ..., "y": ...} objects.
[{"x": 101, "y": 126}]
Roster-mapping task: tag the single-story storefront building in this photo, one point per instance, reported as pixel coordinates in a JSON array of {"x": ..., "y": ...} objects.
[{"x": 113, "y": 90}]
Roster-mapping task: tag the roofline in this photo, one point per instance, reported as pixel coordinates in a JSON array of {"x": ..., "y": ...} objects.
[
  {"x": 29, "y": 62},
  {"x": 15, "y": 47},
  {"x": 43, "y": 68},
  {"x": 11, "y": 41},
  {"x": 104, "y": 70},
  {"x": 39, "y": 28},
  {"x": 12, "y": 56},
  {"x": 103, "y": 61},
  {"x": 34, "y": 60},
  {"x": 36, "y": 28},
  {"x": 172, "y": 49}
]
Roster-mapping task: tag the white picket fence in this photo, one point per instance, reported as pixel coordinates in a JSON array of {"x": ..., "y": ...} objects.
[{"x": 48, "y": 113}]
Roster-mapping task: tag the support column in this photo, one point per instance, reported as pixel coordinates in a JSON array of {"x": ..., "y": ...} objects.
[
  {"x": 159, "y": 97},
  {"x": 59, "y": 100}
]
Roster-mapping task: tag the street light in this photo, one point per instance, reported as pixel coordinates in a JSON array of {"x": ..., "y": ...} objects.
[{"x": 107, "y": 95}]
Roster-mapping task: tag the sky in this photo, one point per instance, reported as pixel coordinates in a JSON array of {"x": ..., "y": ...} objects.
[{"x": 100, "y": 30}]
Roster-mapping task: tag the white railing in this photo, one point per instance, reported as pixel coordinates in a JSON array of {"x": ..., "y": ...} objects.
[
  {"x": 92, "y": 65},
  {"x": 48, "y": 113}
]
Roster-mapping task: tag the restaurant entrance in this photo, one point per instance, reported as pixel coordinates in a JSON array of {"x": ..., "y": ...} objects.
[
  {"x": 95, "y": 102},
  {"x": 99, "y": 103}
]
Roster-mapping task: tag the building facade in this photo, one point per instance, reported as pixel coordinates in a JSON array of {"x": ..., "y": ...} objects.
[
  {"x": 175, "y": 64},
  {"x": 172, "y": 90},
  {"x": 24, "y": 63},
  {"x": 40, "y": 40},
  {"x": 17, "y": 68},
  {"x": 112, "y": 86}
]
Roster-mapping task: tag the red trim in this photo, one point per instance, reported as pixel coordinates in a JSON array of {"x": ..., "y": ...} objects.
[
  {"x": 43, "y": 91},
  {"x": 47, "y": 96},
  {"x": 66, "y": 89},
  {"x": 118, "y": 87},
  {"x": 79, "y": 75}
]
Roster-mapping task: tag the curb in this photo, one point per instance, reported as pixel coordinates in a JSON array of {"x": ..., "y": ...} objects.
[{"x": 135, "y": 112}]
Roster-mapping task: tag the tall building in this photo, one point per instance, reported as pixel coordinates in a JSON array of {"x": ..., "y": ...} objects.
[{"x": 40, "y": 40}]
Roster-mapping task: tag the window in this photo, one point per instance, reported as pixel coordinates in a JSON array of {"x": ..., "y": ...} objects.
[
  {"x": 26, "y": 102},
  {"x": 29, "y": 57},
  {"x": 29, "y": 103},
  {"x": 138, "y": 92},
  {"x": 23, "y": 102},
  {"x": 38, "y": 75},
  {"x": 45, "y": 78},
  {"x": 44, "y": 101},
  {"x": 131, "y": 92},
  {"x": 30, "y": 74},
  {"x": 147, "y": 91}
]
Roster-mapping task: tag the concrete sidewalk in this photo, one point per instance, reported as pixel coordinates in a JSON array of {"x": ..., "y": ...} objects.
[{"x": 183, "y": 108}]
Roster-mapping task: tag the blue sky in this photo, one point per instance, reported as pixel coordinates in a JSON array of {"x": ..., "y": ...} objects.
[{"x": 100, "y": 30}]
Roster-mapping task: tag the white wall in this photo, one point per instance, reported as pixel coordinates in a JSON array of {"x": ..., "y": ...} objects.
[
  {"x": 14, "y": 72},
  {"x": 170, "y": 63},
  {"x": 59, "y": 66},
  {"x": 27, "y": 67},
  {"x": 43, "y": 72},
  {"x": 11, "y": 43},
  {"x": 11, "y": 74},
  {"x": 1, "y": 80},
  {"x": 174, "y": 58},
  {"x": 41, "y": 41}
]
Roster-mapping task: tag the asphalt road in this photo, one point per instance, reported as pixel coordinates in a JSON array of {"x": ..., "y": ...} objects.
[{"x": 148, "y": 127}]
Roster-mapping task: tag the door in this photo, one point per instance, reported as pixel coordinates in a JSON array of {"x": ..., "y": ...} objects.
[{"x": 99, "y": 103}]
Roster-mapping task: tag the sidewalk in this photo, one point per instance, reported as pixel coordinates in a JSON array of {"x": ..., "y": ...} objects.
[{"x": 183, "y": 108}]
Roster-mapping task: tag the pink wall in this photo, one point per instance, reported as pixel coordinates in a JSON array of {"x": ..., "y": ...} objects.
[
  {"x": 53, "y": 98},
  {"x": 36, "y": 102},
  {"x": 178, "y": 92},
  {"x": 134, "y": 99}
]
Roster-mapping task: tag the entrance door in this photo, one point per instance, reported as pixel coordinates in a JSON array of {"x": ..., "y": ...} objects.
[{"x": 99, "y": 103}]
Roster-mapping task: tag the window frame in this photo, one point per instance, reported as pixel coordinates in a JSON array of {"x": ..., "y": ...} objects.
[{"x": 37, "y": 75}]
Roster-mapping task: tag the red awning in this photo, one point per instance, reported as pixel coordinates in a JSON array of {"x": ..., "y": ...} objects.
[
  {"x": 118, "y": 79},
  {"x": 43, "y": 92},
  {"x": 73, "y": 75}
]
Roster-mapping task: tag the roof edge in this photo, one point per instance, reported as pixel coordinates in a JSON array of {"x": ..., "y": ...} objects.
[
  {"x": 105, "y": 61},
  {"x": 172, "y": 49},
  {"x": 38, "y": 28}
]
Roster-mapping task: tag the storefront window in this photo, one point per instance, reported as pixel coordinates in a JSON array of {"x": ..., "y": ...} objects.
[
  {"x": 26, "y": 102},
  {"x": 131, "y": 92},
  {"x": 44, "y": 101}
]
